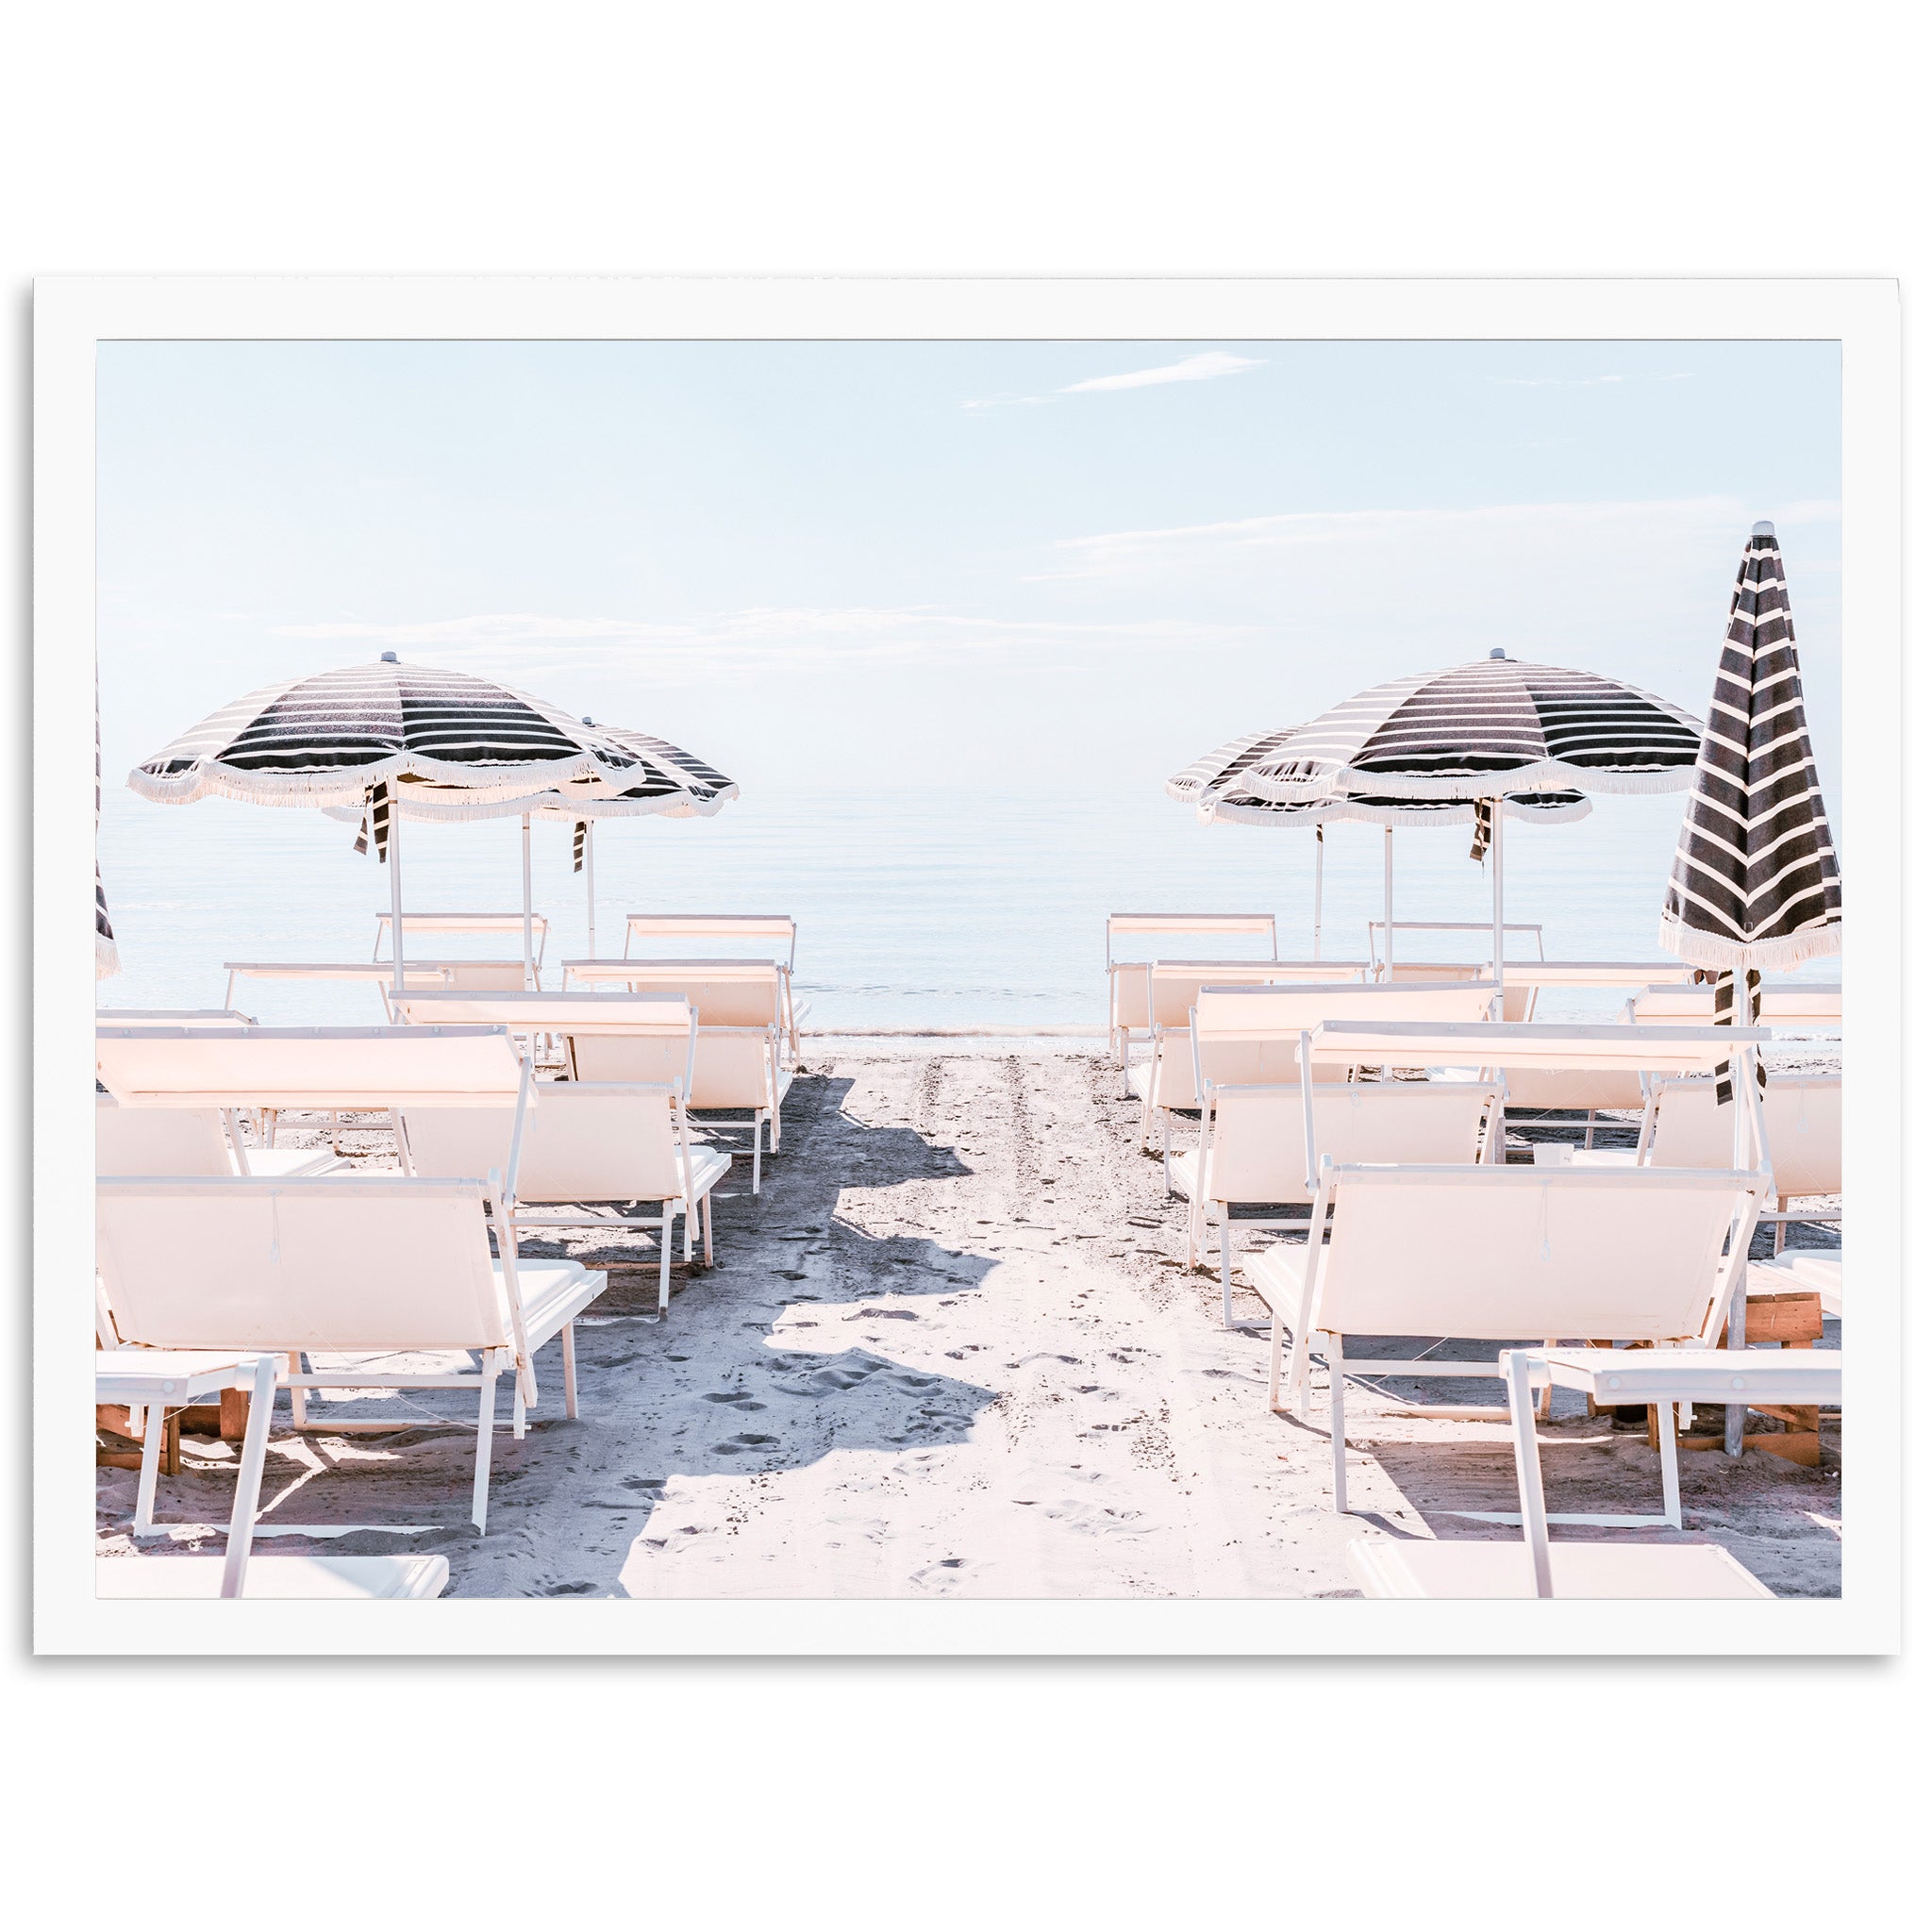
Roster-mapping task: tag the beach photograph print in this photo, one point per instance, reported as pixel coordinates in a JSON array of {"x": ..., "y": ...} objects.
[{"x": 888, "y": 971}]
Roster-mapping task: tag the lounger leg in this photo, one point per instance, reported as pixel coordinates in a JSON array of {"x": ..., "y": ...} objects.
[
  {"x": 1337, "y": 1425},
  {"x": 689, "y": 1244},
  {"x": 1590, "y": 1128},
  {"x": 1667, "y": 1455},
  {"x": 1543, "y": 1407},
  {"x": 298, "y": 1396},
  {"x": 1227, "y": 1277},
  {"x": 517, "y": 1411},
  {"x": 486, "y": 1434},
  {"x": 708, "y": 1231},
  {"x": 570, "y": 1369},
  {"x": 754, "y": 1158},
  {"x": 664, "y": 1261},
  {"x": 1777, "y": 1230},
  {"x": 1275, "y": 1338},
  {"x": 150, "y": 1468},
  {"x": 1529, "y": 1475}
]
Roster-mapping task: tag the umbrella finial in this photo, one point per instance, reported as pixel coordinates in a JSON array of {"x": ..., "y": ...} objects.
[
  {"x": 1762, "y": 530},
  {"x": 1499, "y": 652},
  {"x": 590, "y": 721},
  {"x": 389, "y": 658}
]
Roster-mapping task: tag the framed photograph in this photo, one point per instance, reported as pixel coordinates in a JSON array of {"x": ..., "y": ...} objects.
[{"x": 967, "y": 966}]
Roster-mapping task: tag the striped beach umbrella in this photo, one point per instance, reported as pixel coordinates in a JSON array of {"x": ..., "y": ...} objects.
[
  {"x": 1212, "y": 785},
  {"x": 1494, "y": 729},
  {"x": 106, "y": 958},
  {"x": 364, "y": 737},
  {"x": 669, "y": 782},
  {"x": 1755, "y": 888}
]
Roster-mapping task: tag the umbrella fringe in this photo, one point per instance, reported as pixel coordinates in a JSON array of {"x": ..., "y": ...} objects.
[
  {"x": 1217, "y": 812},
  {"x": 348, "y": 785},
  {"x": 106, "y": 958},
  {"x": 1551, "y": 774},
  {"x": 1697, "y": 948},
  {"x": 423, "y": 813}
]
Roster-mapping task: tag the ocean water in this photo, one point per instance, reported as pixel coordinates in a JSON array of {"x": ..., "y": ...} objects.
[{"x": 920, "y": 910}]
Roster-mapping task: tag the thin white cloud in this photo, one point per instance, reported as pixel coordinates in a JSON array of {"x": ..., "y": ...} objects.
[
  {"x": 1202, "y": 368},
  {"x": 1580, "y": 381},
  {"x": 761, "y": 639}
]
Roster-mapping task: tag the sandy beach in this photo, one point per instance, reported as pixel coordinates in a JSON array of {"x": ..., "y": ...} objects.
[{"x": 951, "y": 1349}]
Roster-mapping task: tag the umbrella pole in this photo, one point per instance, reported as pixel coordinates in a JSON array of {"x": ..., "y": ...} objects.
[
  {"x": 1496, "y": 903},
  {"x": 529, "y": 974},
  {"x": 590, "y": 883},
  {"x": 1389, "y": 898},
  {"x": 396, "y": 898},
  {"x": 1320, "y": 846}
]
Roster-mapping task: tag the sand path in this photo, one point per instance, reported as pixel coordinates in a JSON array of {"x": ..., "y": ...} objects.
[{"x": 951, "y": 1350}]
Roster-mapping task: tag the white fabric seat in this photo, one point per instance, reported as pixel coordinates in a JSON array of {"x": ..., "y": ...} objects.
[
  {"x": 190, "y": 1141},
  {"x": 277, "y": 1580},
  {"x": 1412, "y": 1568}
]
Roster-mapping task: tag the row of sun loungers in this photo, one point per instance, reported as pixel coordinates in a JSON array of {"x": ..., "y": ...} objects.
[
  {"x": 1365, "y": 1109},
  {"x": 219, "y": 1248}
]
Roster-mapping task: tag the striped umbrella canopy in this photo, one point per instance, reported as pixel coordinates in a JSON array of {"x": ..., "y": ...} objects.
[
  {"x": 1213, "y": 785},
  {"x": 366, "y": 736},
  {"x": 1755, "y": 888},
  {"x": 1497, "y": 727},
  {"x": 1755, "y": 884},
  {"x": 669, "y": 782}
]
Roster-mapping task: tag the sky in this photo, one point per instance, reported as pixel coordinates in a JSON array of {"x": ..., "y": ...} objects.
[{"x": 1022, "y": 569}]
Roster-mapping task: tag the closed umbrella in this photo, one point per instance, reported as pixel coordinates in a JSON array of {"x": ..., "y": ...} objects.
[
  {"x": 367, "y": 735},
  {"x": 107, "y": 958},
  {"x": 1755, "y": 886},
  {"x": 1482, "y": 732}
]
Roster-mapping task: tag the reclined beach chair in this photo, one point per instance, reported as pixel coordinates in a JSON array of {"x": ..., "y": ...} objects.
[
  {"x": 158, "y": 1379},
  {"x": 615, "y": 1143},
  {"x": 1127, "y": 991},
  {"x": 1261, "y": 1143},
  {"x": 190, "y": 1141},
  {"x": 1787, "y": 1005},
  {"x": 328, "y": 1068},
  {"x": 1496, "y": 1252},
  {"x": 419, "y": 975},
  {"x": 1412, "y": 1568},
  {"x": 1249, "y": 1034},
  {"x": 508, "y": 925},
  {"x": 724, "y": 993},
  {"x": 772, "y": 936}
]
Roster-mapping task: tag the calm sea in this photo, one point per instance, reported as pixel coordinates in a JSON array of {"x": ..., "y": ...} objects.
[{"x": 913, "y": 912}]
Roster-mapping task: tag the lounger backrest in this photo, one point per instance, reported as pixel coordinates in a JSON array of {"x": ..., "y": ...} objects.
[
  {"x": 331, "y": 1264},
  {"x": 480, "y": 976},
  {"x": 1261, "y": 1146},
  {"x": 1519, "y": 996},
  {"x": 219, "y": 1017},
  {"x": 1299, "y": 1009},
  {"x": 550, "y": 1012},
  {"x": 1803, "y": 1118},
  {"x": 1778, "y": 1006},
  {"x": 778, "y": 927},
  {"x": 1172, "y": 925},
  {"x": 175, "y": 1140},
  {"x": 338, "y": 1067},
  {"x": 1180, "y": 980},
  {"x": 1505, "y": 1253},
  {"x": 725, "y": 992},
  {"x": 1176, "y": 988},
  {"x": 582, "y": 1141}
]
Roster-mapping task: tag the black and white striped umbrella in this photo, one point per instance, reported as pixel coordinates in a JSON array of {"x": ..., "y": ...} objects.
[
  {"x": 1495, "y": 727},
  {"x": 389, "y": 740},
  {"x": 333, "y": 738},
  {"x": 107, "y": 957},
  {"x": 1755, "y": 888}
]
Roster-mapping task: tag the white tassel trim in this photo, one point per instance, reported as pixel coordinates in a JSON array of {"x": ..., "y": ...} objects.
[
  {"x": 1551, "y": 774},
  {"x": 1335, "y": 810},
  {"x": 1711, "y": 950}
]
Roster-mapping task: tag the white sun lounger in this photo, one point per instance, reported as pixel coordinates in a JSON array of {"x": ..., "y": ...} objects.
[
  {"x": 1801, "y": 1271},
  {"x": 159, "y": 1379},
  {"x": 583, "y": 1141},
  {"x": 747, "y": 927},
  {"x": 419, "y": 975},
  {"x": 1684, "y": 1126},
  {"x": 1381, "y": 951},
  {"x": 1261, "y": 1143},
  {"x": 189, "y": 1141},
  {"x": 724, "y": 993},
  {"x": 651, "y": 1038},
  {"x": 1249, "y": 1034},
  {"x": 1792, "y": 1004},
  {"x": 1126, "y": 990},
  {"x": 347, "y": 1266},
  {"x": 1499, "y": 1252},
  {"x": 511, "y": 925}
]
